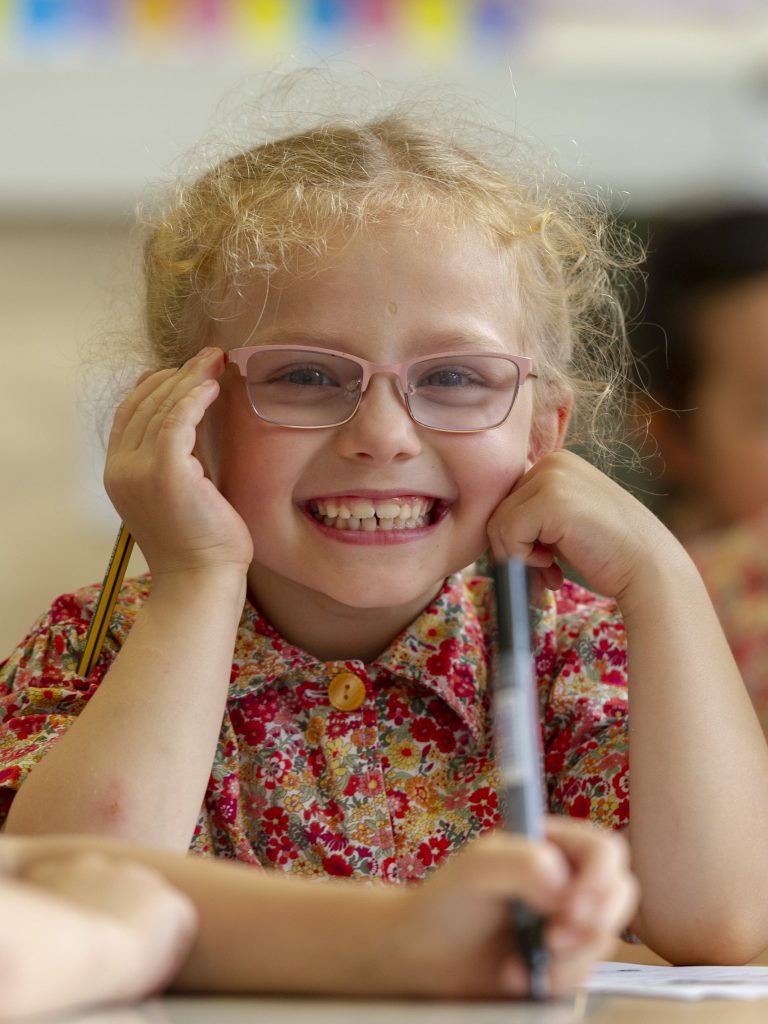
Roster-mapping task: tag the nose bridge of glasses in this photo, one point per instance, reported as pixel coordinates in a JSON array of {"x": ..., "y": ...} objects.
[{"x": 395, "y": 371}]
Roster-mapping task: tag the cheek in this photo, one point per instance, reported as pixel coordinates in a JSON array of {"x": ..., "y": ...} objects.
[
  {"x": 490, "y": 469},
  {"x": 260, "y": 474},
  {"x": 247, "y": 462}
]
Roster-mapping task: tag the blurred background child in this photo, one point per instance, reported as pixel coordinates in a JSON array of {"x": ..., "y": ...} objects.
[{"x": 702, "y": 346}]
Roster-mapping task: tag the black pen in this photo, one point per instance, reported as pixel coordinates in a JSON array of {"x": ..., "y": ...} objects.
[{"x": 518, "y": 750}]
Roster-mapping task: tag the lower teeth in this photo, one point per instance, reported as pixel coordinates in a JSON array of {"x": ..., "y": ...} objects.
[{"x": 371, "y": 525}]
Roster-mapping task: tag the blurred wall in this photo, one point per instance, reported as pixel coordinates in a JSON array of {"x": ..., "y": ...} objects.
[
  {"x": 664, "y": 104},
  {"x": 59, "y": 285}
]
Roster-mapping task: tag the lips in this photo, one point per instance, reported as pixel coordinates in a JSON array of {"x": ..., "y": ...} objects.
[{"x": 353, "y": 513}]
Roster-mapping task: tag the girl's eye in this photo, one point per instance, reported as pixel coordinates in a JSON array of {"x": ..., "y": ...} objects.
[
  {"x": 449, "y": 377},
  {"x": 306, "y": 377}
]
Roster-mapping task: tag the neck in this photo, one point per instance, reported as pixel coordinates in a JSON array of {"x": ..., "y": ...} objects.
[{"x": 324, "y": 627}]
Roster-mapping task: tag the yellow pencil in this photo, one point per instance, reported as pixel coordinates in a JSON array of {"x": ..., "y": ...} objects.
[{"x": 110, "y": 588}]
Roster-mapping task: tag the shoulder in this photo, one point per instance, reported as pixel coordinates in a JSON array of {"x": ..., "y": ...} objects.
[
  {"x": 55, "y": 640},
  {"x": 573, "y": 611},
  {"x": 580, "y": 635},
  {"x": 571, "y": 608},
  {"x": 572, "y": 598},
  {"x": 74, "y": 611}
]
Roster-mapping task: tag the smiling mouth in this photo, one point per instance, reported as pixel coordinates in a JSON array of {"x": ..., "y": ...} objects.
[{"x": 369, "y": 516}]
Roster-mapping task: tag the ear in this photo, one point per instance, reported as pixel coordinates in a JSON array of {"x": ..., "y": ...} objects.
[{"x": 549, "y": 427}]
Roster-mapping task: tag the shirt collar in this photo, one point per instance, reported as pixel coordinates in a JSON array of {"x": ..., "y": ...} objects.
[{"x": 446, "y": 650}]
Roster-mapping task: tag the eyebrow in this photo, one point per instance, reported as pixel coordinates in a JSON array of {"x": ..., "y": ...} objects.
[{"x": 443, "y": 341}]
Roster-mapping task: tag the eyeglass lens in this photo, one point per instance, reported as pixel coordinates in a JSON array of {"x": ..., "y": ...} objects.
[{"x": 308, "y": 389}]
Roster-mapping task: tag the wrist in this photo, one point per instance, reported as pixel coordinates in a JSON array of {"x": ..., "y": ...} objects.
[
  {"x": 665, "y": 569},
  {"x": 383, "y": 959},
  {"x": 193, "y": 582},
  {"x": 409, "y": 958},
  {"x": 212, "y": 595}
]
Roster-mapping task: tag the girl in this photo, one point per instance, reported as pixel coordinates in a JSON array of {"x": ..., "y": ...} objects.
[
  {"x": 383, "y": 340},
  {"x": 100, "y": 922}
]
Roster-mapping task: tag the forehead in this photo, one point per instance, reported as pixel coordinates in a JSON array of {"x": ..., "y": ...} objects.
[{"x": 419, "y": 279}]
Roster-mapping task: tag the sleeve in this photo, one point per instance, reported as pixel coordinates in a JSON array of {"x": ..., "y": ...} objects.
[
  {"x": 734, "y": 567},
  {"x": 40, "y": 691},
  {"x": 585, "y": 708}
]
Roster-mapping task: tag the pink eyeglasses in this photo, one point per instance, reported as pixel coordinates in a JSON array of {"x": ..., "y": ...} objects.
[{"x": 310, "y": 388}]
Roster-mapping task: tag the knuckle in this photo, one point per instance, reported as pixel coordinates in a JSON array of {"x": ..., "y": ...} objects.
[{"x": 166, "y": 406}]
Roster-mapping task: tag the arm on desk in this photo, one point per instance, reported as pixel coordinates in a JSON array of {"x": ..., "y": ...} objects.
[
  {"x": 265, "y": 932},
  {"x": 82, "y": 928}
]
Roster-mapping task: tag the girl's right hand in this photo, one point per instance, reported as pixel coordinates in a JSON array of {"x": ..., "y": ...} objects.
[
  {"x": 157, "y": 484},
  {"x": 457, "y": 933}
]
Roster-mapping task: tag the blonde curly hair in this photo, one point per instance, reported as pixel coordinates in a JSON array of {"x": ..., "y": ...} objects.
[{"x": 282, "y": 205}]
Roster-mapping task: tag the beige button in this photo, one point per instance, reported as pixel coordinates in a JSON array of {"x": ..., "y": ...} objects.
[{"x": 346, "y": 691}]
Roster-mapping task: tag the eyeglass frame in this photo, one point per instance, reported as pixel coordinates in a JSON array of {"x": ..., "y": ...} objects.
[{"x": 239, "y": 357}]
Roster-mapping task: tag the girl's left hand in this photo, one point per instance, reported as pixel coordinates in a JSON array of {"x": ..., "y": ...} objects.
[{"x": 564, "y": 508}]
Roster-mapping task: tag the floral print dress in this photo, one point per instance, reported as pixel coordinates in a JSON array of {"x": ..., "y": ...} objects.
[{"x": 385, "y": 789}]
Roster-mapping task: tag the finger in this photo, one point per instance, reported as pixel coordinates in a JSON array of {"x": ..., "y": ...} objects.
[
  {"x": 574, "y": 959},
  {"x": 567, "y": 973},
  {"x": 542, "y": 559},
  {"x": 167, "y": 461},
  {"x": 177, "y": 434},
  {"x": 521, "y": 528},
  {"x": 504, "y": 867},
  {"x": 125, "y": 415},
  {"x": 609, "y": 915},
  {"x": 587, "y": 846},
  {"x": 552, "y": 577},
  {"x": 155, "y": 395},
  {"x": 512, "y": 540},
  {"x": 600, "y": 863},
  {"x": 197, "y": 375}
]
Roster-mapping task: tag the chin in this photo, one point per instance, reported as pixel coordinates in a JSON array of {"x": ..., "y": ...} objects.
[{"x": 374, "y": 594}]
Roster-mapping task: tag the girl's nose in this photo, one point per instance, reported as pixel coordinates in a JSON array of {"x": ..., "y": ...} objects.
[{"x": 381, "y": 430}]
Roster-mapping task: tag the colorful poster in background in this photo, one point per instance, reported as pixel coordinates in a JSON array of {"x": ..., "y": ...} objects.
[{"x": 53, "y": 29}]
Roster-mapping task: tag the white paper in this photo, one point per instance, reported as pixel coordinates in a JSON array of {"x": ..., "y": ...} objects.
[{"x": 688, "y": 983}]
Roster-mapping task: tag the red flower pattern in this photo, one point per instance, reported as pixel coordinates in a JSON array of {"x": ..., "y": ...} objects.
[{"x": 388, "y": 790}]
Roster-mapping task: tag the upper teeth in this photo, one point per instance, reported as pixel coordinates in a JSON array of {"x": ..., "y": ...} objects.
[{"x": 365, "y": 508}]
